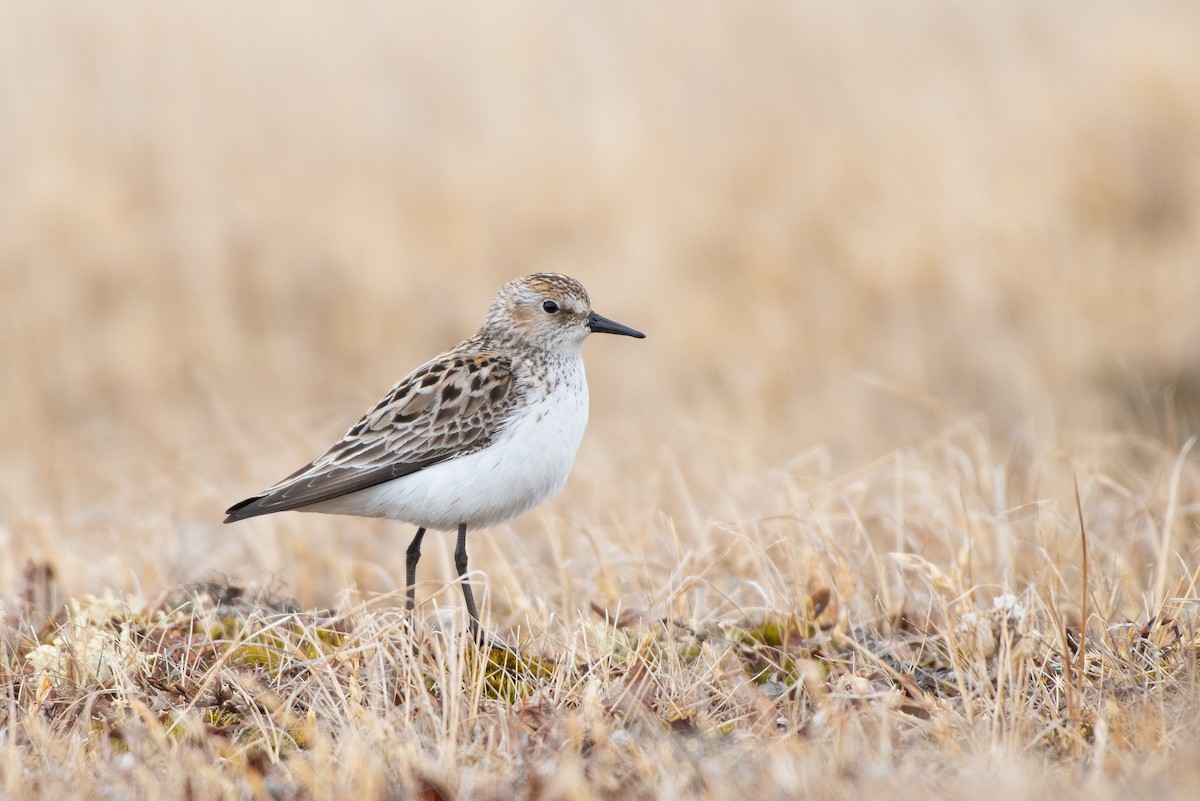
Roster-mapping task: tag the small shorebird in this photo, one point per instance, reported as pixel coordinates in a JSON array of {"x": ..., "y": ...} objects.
[{"x": 471, "y": 438}]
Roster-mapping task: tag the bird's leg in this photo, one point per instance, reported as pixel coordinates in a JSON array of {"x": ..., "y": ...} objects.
[
  {"x": 460, "y": 562},
  {"x": 412, "y": 556}
]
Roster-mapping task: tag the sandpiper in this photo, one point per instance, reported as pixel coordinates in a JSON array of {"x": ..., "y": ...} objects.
[{"x": 473, "y": 437}]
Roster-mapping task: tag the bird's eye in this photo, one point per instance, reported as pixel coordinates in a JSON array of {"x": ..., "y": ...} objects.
[{"x": 550, "y": 307}]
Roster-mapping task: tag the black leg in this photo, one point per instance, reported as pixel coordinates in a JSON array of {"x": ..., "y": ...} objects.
[
  {"x": 460, "y": 561},
  {"x": 413, "y": 555}
]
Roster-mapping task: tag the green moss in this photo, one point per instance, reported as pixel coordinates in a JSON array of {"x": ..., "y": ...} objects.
[
  {"x": 509, "y": 675},
  {"x": 219, "y": 718},
  {"x": 689, "y": 648},
  {"x": 775, "y": 632},
  {"x": 331, "y": 638},
  {"x": 771, "y": 650},
  {"x": 256, "y": 655}
]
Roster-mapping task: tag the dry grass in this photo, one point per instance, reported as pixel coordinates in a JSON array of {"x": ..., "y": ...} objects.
[{"x": 909, "y": 272}]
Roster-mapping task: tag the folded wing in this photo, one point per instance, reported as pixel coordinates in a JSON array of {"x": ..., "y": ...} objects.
[{"x": 449, "y": 407}]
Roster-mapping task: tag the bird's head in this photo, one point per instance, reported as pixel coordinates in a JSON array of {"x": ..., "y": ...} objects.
[{"x": 548, "y": 311}]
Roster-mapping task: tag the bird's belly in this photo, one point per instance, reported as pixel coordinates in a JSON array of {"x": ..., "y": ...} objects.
[{"x": 522, "y": 467}]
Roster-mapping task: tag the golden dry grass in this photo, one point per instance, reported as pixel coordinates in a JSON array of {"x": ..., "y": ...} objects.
[{"x": 909, "y": 272}]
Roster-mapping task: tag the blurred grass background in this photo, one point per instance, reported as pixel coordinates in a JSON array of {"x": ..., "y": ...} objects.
[{"x": 226, "y": 229}]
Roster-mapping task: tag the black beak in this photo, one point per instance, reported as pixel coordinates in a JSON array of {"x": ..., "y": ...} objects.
[{"x": 603, "y": 325}]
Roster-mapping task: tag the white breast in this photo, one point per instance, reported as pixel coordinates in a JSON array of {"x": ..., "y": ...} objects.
[{"x": 525, "y": 464}]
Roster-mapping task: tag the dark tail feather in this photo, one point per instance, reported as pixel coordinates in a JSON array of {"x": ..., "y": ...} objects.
[{"x": 247, "y": 508}]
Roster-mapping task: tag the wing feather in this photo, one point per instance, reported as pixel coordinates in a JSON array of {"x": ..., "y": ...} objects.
[{"x": 449, "y": 407}]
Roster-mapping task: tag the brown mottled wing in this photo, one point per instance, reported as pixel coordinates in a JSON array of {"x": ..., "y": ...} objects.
[{"x": 451, "y": 406}]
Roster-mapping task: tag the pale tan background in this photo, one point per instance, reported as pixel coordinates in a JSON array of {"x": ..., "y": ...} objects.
[{"x": 226, "y": 228}]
